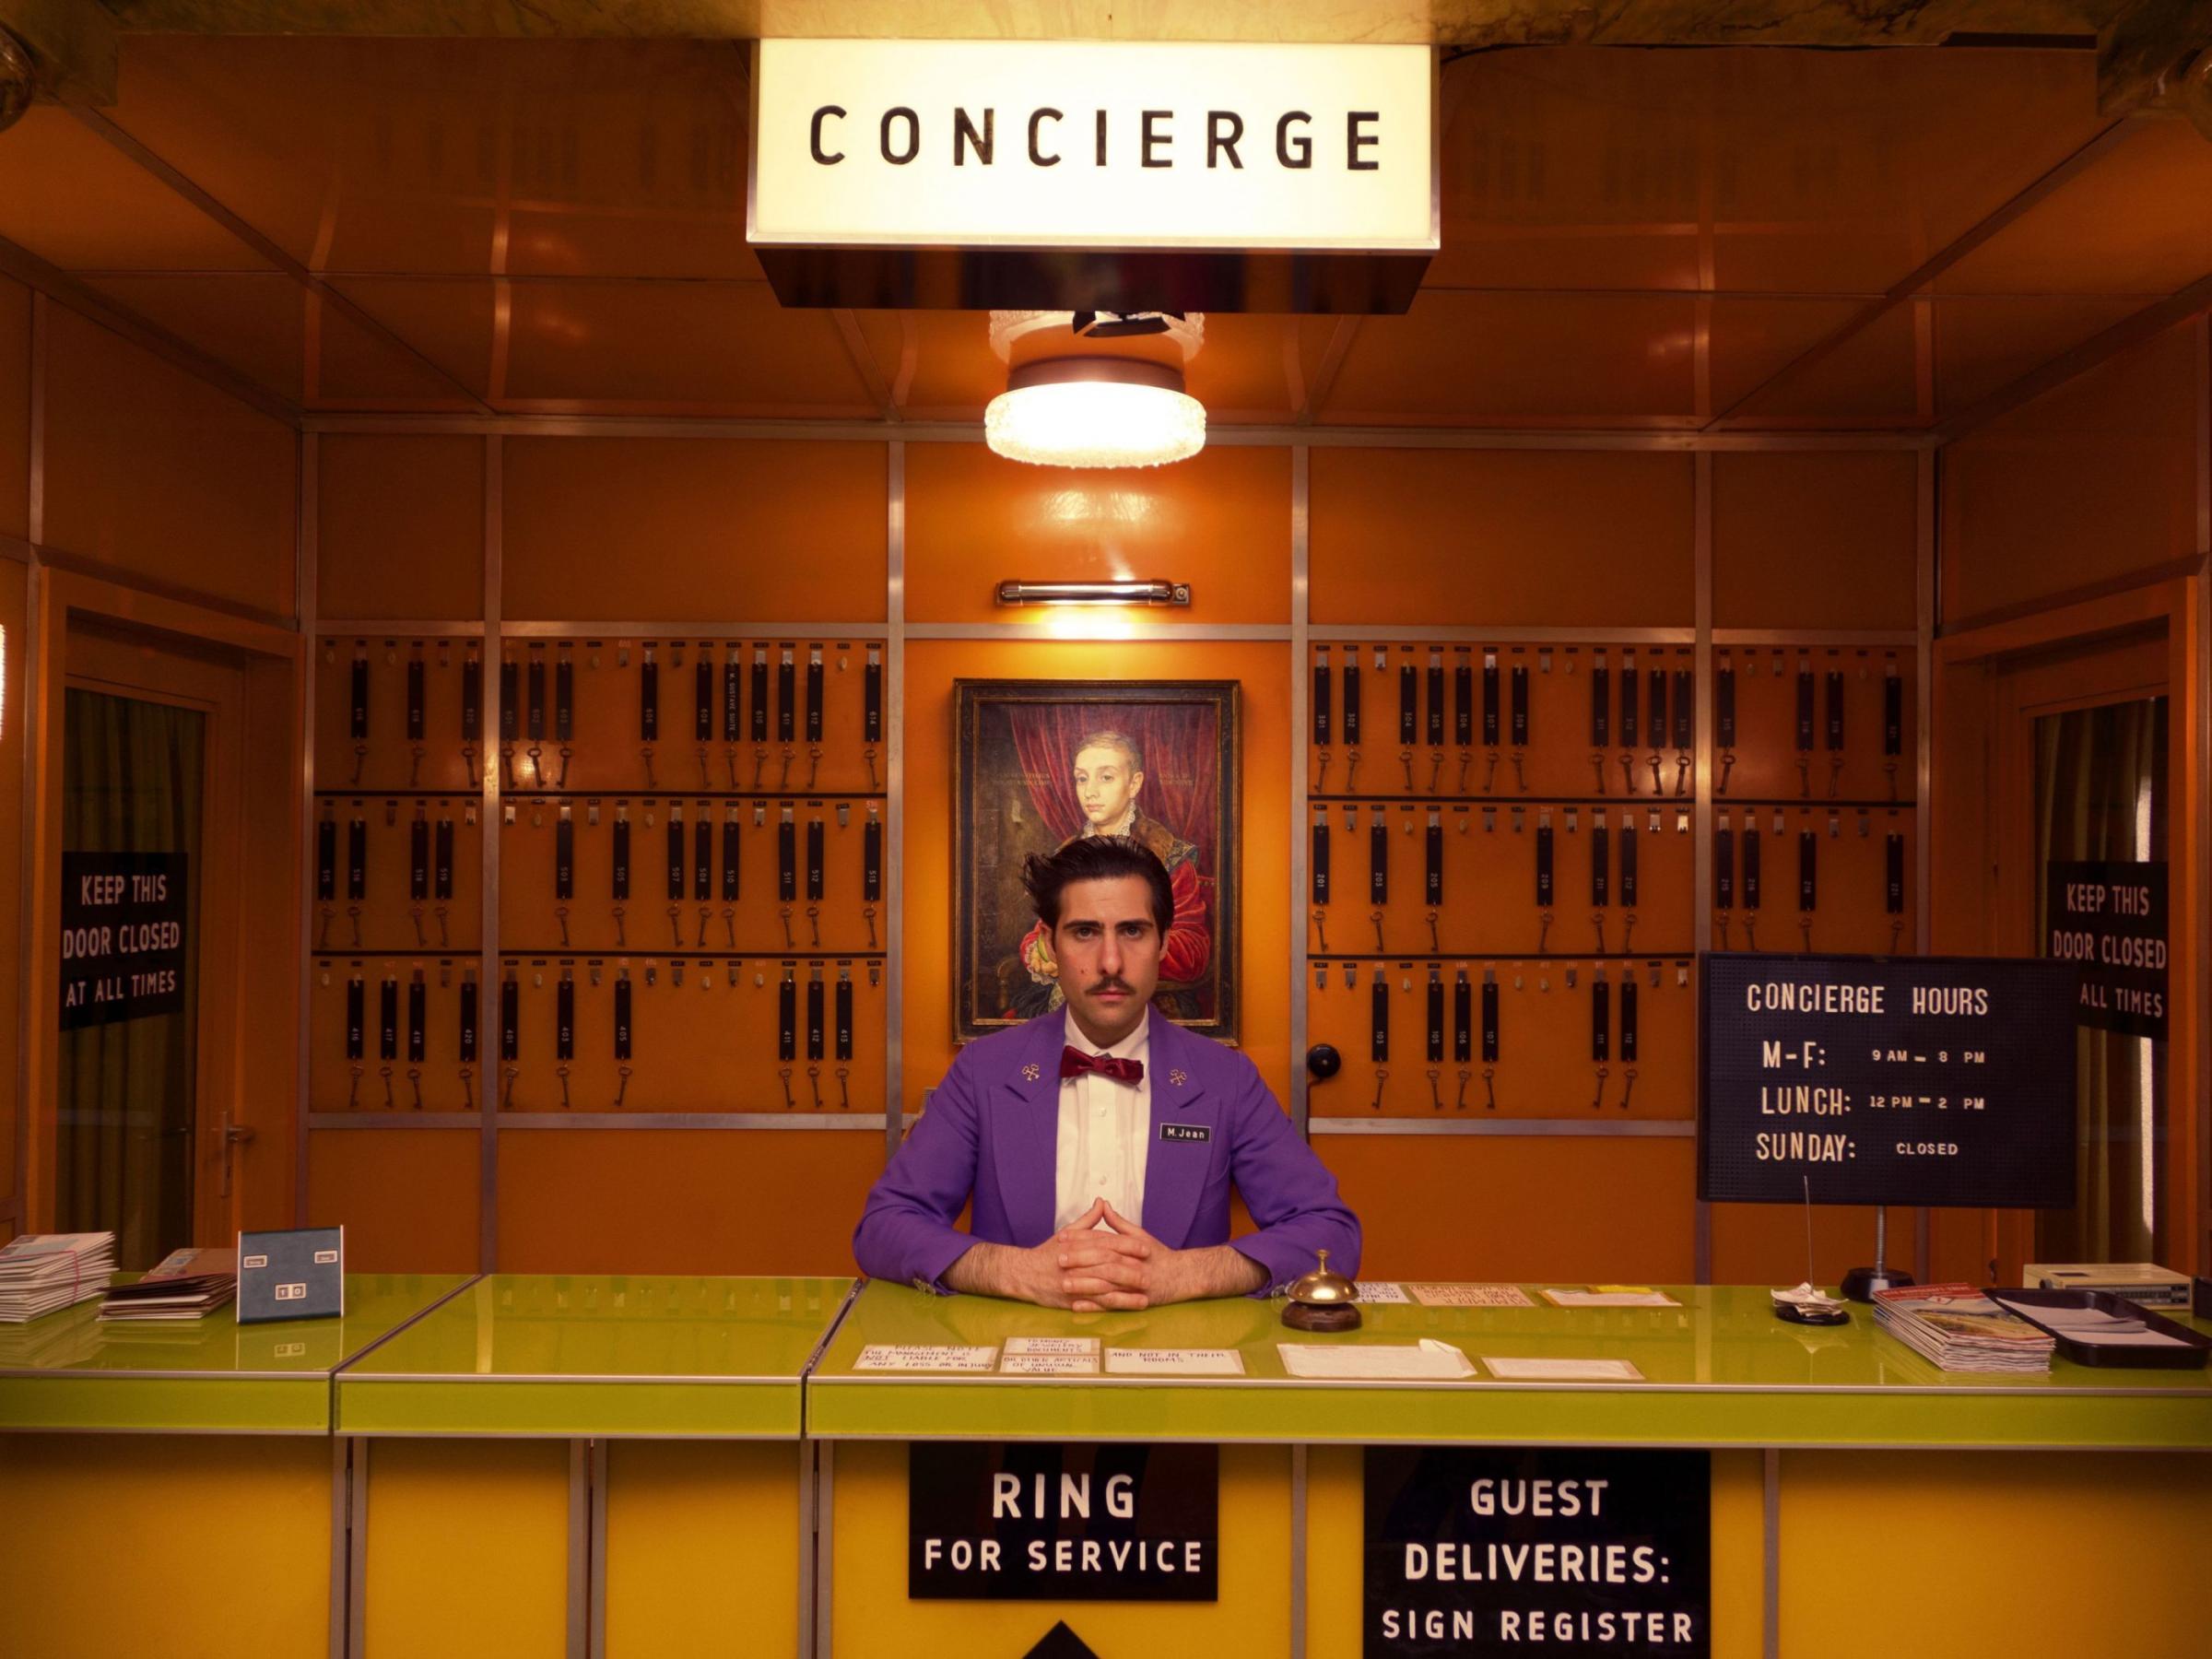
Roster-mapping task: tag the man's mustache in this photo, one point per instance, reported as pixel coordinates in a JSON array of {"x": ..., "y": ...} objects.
[{"x": 1115, "y": 984}]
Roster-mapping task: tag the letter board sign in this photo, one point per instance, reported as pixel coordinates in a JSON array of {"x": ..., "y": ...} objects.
[
  {"x": 2110, "y": 920},
  {"x": 1570, "y": 1552},
  {"x": 122, "y": 936},
  {"x": 1935, "y": 1081},
  {"x": 1045, "y": 1521}
]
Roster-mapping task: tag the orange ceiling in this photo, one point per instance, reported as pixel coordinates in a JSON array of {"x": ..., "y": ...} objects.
[{"x": 1631, "y": 239}]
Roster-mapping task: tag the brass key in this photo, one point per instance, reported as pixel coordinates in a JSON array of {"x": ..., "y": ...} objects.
[
  {"x": 562, "y": 1073},
  {"x": 353, "y": 914},
  {"x": 729, "y": 925},
  {"x": 560, "y": 913},
  {"x": 1627, "y": 1093},
  {"x": 620, "y": 942},
  {"x": 675, "y": 925},
  {"x": 1376, "y": 1104},
  {"x": 1597, "y": 920},
  {"x": 1489, "y": 1093},
  {"x": 1321, "y": 779},
  {"x": 647, "y": 753},
  {"x": 706, "y": 914},
  {"x": 1465, "y": 1077},
  {"x": 867, "y": 914},
  {"x": 468, "y": 1093},
  {"x": 1434, "y": 949},
  {"x": 814, "y": 924},
  {"x": 1376, "y": 917},
  {"x": 783, "y": 1074},
  {"x": 1436, "y": 1102},
  {"x": 814, "y": 1082},
  {"x": 385, "y": 1073},
  {"x": 1321, "y": 927},
  {"x": 869, "y": 755},
  {"x": 444, "y": 940},
  {"x": 1603, "y": 1073},
  {"x": 844, "y": 1098},
  {"x": 414, "y": 1082},
  {"x": 353, "y": 1090},
  {"x": 622, "y": 1085}
]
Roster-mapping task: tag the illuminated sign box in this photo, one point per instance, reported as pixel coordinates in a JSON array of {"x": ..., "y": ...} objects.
[{"x": 979, "y": 173}]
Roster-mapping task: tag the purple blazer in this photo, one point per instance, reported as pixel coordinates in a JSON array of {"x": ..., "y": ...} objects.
[{"x": 990, "y": 1134}]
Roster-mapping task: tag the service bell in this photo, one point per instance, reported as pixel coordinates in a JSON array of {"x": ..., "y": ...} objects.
[{"x": 1321, "y": 1301}]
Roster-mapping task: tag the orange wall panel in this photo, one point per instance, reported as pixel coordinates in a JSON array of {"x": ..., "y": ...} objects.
[
  {"x": 1262, "y": 671},
  {"x": 683, "y": 1200},
  {"x": 694, "y": 529},
  {"x": 1534, "y": 1208},
  {"x": 1220, "y": 522},
  {"x": 407, "y": 1197},
  {"x": 1815, "y": 540},
  {"x": 2088, "y": 482},
  {"x": 15, "y": 409},
  {"x": 1475, "y": 538},
  {"x": 13, "y": 593},
  {"x": 162, "y": 476},
  {"x": 401, "y": 528}
]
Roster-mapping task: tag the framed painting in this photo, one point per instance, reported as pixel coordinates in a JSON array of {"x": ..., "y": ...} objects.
[{"x": 1040, "y": 762}]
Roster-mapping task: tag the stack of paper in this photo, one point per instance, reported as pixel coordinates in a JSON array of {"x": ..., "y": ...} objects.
[
  {"x": 186, "y": 1284},
  {"x": 40, "y": 1272},
  {"x": 1427, "y": 1359},
  {"x": 1960, "y": 1329}
]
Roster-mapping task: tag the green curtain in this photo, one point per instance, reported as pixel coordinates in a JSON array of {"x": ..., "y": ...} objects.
[
  {"x": 132, "y": 781},
  {"x": 2101, "y": 795}
]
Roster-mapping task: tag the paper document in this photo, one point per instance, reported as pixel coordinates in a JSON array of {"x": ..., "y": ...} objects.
[
  {"x": 1048, "y": 1365},
  {"x": 1470, "y": 1296},
  {"x": 1562, "y": 1370},
  {"x": 1426, "y": 1359},
  {"x": 1050, "y": 1345},
  {"x": 2094, "y": 1326},
  {"x": 1383, "y": 1293},
  {"x": 923, "y": 1356},
  {"x": 1174, "y": 1362},
  {"x": 1611, "y": 1296}
]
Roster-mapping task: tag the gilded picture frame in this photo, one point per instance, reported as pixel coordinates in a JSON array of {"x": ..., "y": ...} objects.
[{"x": 1036, "y": 762}]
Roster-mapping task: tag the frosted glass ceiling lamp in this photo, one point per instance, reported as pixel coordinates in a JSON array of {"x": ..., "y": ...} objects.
[
  {"x": 1095, "y": 411},
  {"x": 1095, "y": 389}
]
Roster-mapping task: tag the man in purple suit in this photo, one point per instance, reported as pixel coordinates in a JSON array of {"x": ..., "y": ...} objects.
[{"x": 1097, "y": 1144}]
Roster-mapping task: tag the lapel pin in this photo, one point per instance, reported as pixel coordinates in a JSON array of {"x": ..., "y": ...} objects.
[
  {"x": 1028, "y": 1072},
  {"x": 1179, "y": 1076}
]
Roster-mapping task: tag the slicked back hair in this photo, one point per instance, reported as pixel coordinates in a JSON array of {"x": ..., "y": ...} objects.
[{"x": 1095, "y": 858}]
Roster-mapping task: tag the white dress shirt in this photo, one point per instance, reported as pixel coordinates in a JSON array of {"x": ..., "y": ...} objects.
[{"x": 1105, "y": 1131}]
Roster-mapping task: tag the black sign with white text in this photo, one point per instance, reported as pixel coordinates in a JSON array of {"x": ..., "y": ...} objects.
[
  {"x": 1043, "y": 1520},
  {"x": 1935, "y": 1080},
  {"x": 1495, "y": 1550},
  {"x": 122, "y": 936},
  {"x": 2110, "y": 919}
]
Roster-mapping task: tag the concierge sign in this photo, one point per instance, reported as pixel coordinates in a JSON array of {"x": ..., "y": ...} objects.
[
  {"x": 1121, "y": 174},
  {"x": 1935, "y": 1080},
  {"x": 1567, "y": 1552},
  {"x": 1045, "y": 1521},
  {"x": 122, "y": 936}
]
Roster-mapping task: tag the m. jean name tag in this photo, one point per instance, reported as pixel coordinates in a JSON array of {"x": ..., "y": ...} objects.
[{"x": 1187, "y": 1131}]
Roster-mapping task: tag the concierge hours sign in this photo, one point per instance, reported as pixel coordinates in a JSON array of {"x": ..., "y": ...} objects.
[
  {"x": 1935, "y": 1080},
  {"x": 122, "y": 936},
  {"x": 1059, "y": 147},
  {"x": 1570, "y": 1552}
]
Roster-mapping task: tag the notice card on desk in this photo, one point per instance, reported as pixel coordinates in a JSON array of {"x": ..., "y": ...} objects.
[
  {"x": 1049, "y": 1357},
  {"x": 1611, "y": 1296},
  {"x": 1563, "y": 1371},
  {"x": 923, "y": 1356},
  {"x": 1430, "y": 1360},
  {"x": 1381, "y": 1292},
  {"x": 1470, "y": 1296},
  {"x": 1174, "y": 1362}
]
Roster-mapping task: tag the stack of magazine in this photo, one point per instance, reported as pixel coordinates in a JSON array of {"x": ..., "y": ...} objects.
[
  {"x": 1960, "y": 1329},
  {"x": 43, "y": 1272},
  {"x": 186, "y": 1284}
]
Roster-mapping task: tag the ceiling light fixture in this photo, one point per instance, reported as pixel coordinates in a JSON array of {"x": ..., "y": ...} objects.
[{"x": 1095, "y": 389}]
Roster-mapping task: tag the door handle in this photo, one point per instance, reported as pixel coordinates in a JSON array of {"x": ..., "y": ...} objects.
[{"x": 233, "y": 1135}]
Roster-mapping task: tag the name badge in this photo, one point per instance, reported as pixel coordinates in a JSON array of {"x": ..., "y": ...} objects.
[{"x": 1187, "y": 1131}]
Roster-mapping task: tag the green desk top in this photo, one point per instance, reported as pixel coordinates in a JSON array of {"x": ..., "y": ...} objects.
[
  {"x": 674, "y": 1357},
  {"x": 1719, "y": 1370},
  {"x": 70, "y": 1370}
]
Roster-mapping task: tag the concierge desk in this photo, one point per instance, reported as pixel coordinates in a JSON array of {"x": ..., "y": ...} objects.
[
  {"x": 170, "y": 1486},
  {"x": 1860, "y": 1497}
]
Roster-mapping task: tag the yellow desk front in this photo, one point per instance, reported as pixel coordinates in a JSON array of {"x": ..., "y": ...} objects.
[{"x": 1854, "y": 1487}]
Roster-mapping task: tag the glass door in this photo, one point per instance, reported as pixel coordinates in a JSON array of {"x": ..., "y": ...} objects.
[
  {"x": 2101, "y": 809},
  {"x": 133, "y": 776}
]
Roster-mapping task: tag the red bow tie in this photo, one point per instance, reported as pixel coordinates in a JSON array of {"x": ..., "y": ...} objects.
[{"x": 1074, "y": 1062}]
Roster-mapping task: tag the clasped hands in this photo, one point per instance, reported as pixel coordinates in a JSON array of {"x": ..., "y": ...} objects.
[{"x": 1090, "y": 1269}]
